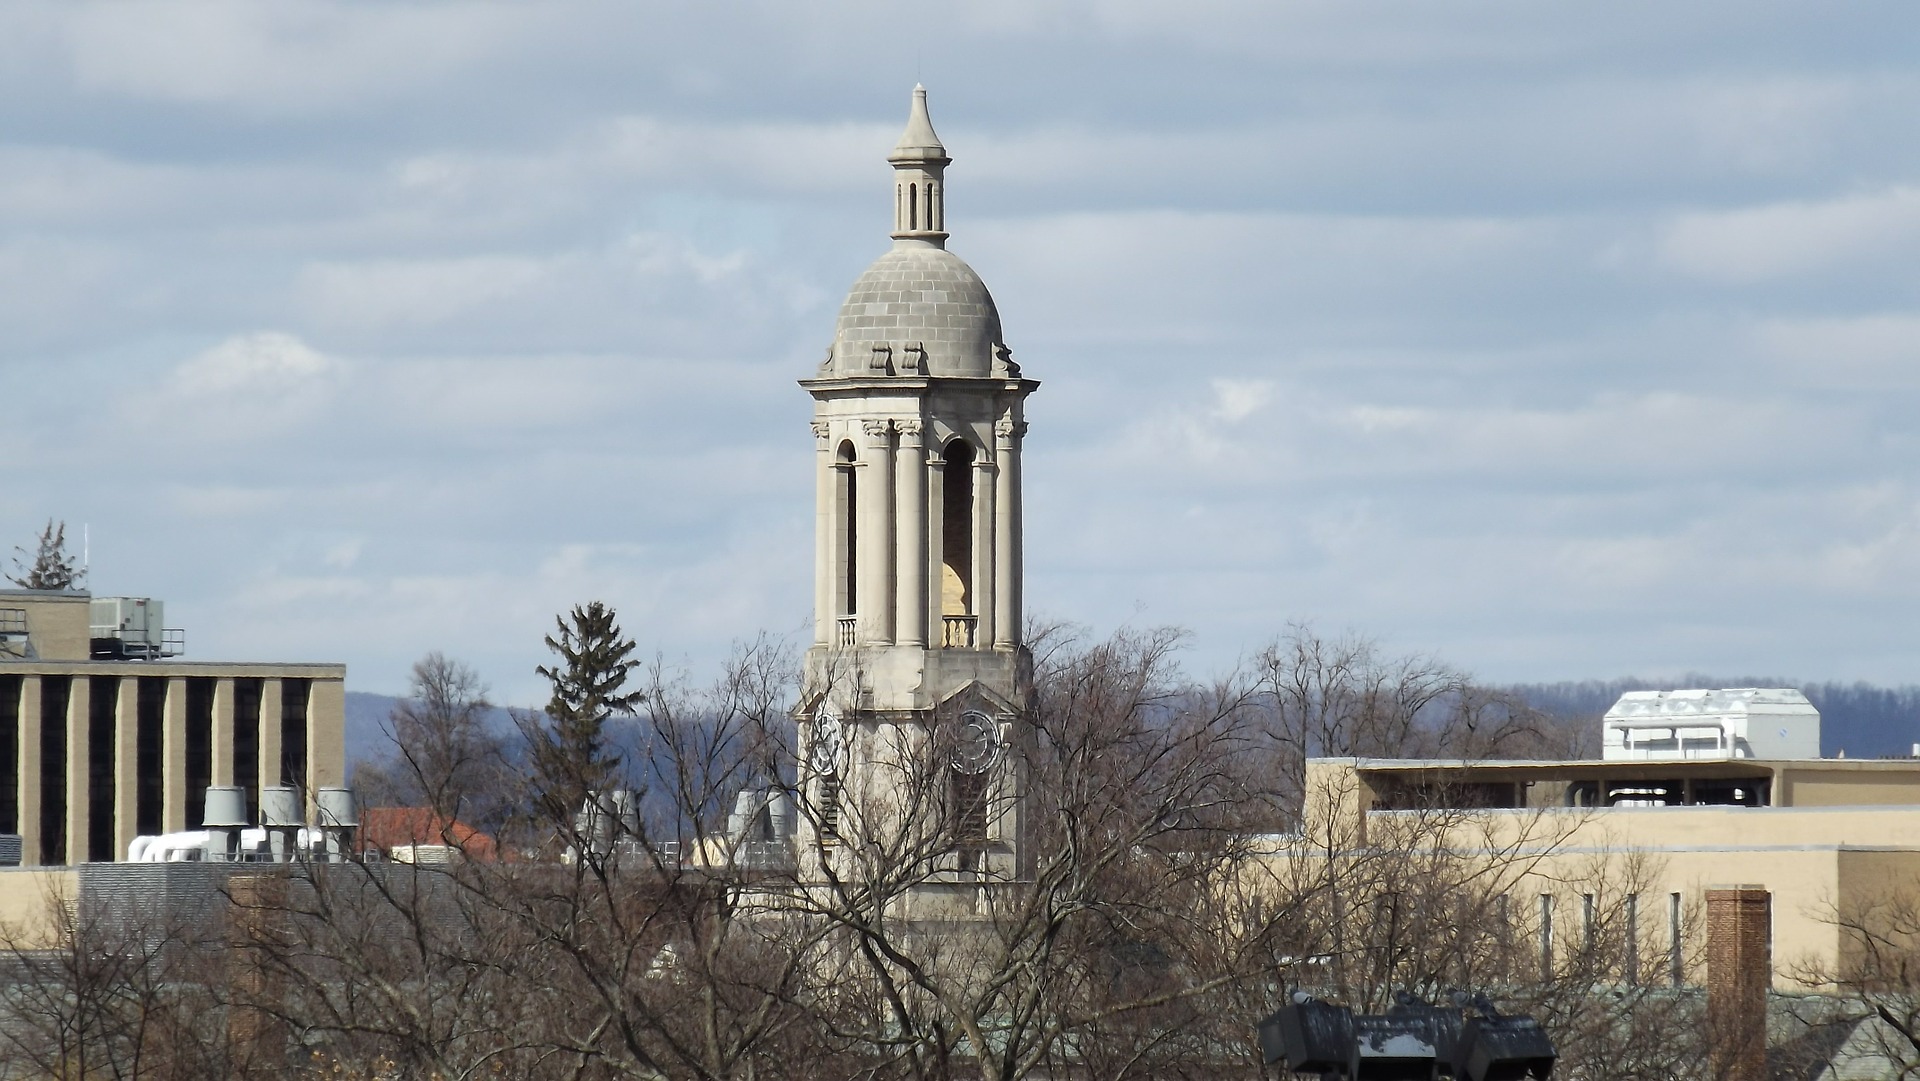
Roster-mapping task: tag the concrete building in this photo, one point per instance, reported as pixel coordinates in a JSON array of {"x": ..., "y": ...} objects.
[
  {"x": 107, "y": 734},
  {"x": 918, "y": 420},
  {"x": 1814, "y": 833}
]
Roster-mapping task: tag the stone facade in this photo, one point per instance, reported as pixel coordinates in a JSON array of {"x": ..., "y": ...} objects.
[{"x": 919, "y": 417}]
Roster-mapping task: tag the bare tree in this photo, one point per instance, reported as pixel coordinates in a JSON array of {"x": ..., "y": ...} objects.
[{"x": 445, "y": 753}]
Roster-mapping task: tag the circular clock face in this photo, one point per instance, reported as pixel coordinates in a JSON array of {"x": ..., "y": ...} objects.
[
  {"x": 978, "y": 743},
  {"x": 828, "y": 740}
]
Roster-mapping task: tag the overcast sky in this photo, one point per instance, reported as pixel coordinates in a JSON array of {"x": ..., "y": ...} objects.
[{"x": 1558, "y": 340}]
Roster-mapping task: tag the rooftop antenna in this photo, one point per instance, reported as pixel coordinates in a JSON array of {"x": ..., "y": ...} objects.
[{"x": 86, "y": 549}]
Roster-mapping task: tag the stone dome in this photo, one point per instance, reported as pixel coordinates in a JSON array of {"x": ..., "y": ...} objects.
[{"x": 917, "y": 295}]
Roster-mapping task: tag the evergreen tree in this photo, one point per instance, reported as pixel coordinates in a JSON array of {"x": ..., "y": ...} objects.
[
  {"x": 570, "y": 753},
  {"x": 52, "y": 566}
]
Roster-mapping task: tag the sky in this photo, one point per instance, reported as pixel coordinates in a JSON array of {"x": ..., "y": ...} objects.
[{"x": 1554, "y": 340}]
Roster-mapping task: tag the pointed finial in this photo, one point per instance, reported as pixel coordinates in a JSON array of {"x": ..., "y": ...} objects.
[{"x": 918, "y": 142}]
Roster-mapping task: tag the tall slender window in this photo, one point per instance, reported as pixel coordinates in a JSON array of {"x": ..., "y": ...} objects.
[
  {"x": 199, "y": 748},
  {"x": 1676, "y": 961},
  {"x": 913, "y": 206},
  {"x": 53, "y": 768},
  {"x": 246, "y": 741},
  {"x": 1631, "y": 965},
  {"x": 956, "y": 530},
  {"x": 149, "y": 743},
  {"x": 293, "y": 731},
  {"x": 847, "y": 535},
  {"x": 1546, "y": 937},
  {"x": 102, "y": 706},
  {"x": 11, "y": 689}
]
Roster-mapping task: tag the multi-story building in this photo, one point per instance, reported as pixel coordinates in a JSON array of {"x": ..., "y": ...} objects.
[
  {"x": 107, "y": 733},
  {"x": 1821, "y": 836}
]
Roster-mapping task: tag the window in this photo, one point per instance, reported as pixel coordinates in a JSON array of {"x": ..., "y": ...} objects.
[
  {"x": 956, "y": 530},
  {"x": 1546, "y": 936},
  {"x": 847, "y": 533},
  {"x": 1631, "y": 962},
  {"x": 1676, "y": 961}
]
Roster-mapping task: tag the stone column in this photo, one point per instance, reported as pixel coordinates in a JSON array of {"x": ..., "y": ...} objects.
[
  {"x": 30, "y": 771},
  {"x": 270, "y": 714},
  {"x": 79, "y": 708},
  {"x": 326, "y": 730},
  {"x": 1005, "y": 539},
  {"x": 985, "y": 583},
  {"x": 173, "y": 753},
  {"x": 222, "y": 733},
  {"x": 823, "y": 524},
  {"x": 876, "y": 534},
  {"x": 1739, "y": 973},
  {"x": 935, "y": 523},
  {"x": 910, "y": 473},
  {"x": 126, "y": 767}
]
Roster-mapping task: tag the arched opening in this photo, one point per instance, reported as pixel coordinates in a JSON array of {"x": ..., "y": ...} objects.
[
  {"x": 956, "y": 535},
  {"x": 913, "y": 206},
  {"x": 930, "y": 224},
  {"x": 846, "y": 541}
]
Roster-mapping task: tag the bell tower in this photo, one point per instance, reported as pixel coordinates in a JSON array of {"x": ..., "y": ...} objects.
[{"x": 917, "y": 685}]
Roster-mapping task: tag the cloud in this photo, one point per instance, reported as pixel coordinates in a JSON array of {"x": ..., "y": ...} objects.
[
  {"x": 1795, "y": 239},
  {"x": 1556, "y": 342}
]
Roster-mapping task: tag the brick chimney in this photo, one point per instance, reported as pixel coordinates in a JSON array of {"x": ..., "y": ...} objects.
[{"x": 1739, "y": 974}]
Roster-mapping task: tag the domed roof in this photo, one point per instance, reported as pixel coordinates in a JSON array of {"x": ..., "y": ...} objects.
[{"x": 918, "y": 295}]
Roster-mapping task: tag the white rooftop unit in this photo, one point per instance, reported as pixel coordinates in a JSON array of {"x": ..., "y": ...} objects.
[
  {"x": 132, "y": 627},
  {"x": 1733, "y": 722}
]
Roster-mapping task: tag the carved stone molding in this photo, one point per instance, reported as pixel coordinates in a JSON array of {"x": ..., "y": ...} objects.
[
  {"x": 877, "y": 430},
  {"x": 909, "y": 431},
  {"x": 822, "y": 431},
  {"x": 1008, "y": 428}
]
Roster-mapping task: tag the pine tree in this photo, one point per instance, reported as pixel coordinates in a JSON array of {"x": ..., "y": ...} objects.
[
  {"x": 571, "y": 756},
  {"x": 52, "y": 567}
]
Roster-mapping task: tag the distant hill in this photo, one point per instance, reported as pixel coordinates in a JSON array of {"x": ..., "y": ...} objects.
[
  {"x": 1864, "y": 720},
  {"x": 366, "y": 726},
  {"x": 1861, "y": 719}
]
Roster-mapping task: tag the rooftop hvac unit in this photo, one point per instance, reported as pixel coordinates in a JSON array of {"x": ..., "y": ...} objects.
[{"x": 133, "y": 627}]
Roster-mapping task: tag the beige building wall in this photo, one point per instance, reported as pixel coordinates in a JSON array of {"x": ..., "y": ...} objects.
[
  {"x": 1811, "y": 858},
  {"x": 325, "y": 725},
  {"x": 27, "y": 900},
  {"x": 56, "y": 623}
]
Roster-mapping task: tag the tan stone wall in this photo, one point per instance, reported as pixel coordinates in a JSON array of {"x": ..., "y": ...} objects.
[
  {"x": 56, "y": 623},
  {"x": 26, "y": 900}
]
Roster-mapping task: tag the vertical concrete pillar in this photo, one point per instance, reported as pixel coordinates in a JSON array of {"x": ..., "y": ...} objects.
[
  {"x": 173, "y": 752},
  {"x": 326, "y": 728},
  {"x": 223, "y": 732},
  {"x": 271, "y": 701},
  {"x": 30, "y": 771},
  {"x": 1739, "y": 974},
  {"x": 910, "y": 474},
  {"x": 935, "y": 524},
  {"x": 1014, "y": 512},
  {"x": 985, "y": 583},
  {"x": 126, "y": 766},
  {"x": 824, "y": 616},
  {"x": 876, "y": 534},
  {"x": 79, "y": 709},
  {"x": 1005, "y": 632}
]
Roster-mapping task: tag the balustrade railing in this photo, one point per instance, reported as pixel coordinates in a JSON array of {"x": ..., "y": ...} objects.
[
  {"x": 956, "y": 632},
  {"x": 848, "y": 630}
]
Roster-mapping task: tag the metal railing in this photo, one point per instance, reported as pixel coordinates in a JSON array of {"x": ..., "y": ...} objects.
[
  {"x": 956, "y": 632},
  {"x": 848, "y": 631},
  {"x": 127, "y": 644}
]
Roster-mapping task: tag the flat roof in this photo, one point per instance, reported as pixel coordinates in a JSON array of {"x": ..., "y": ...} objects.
[{"x": 1520, "y": 769}]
